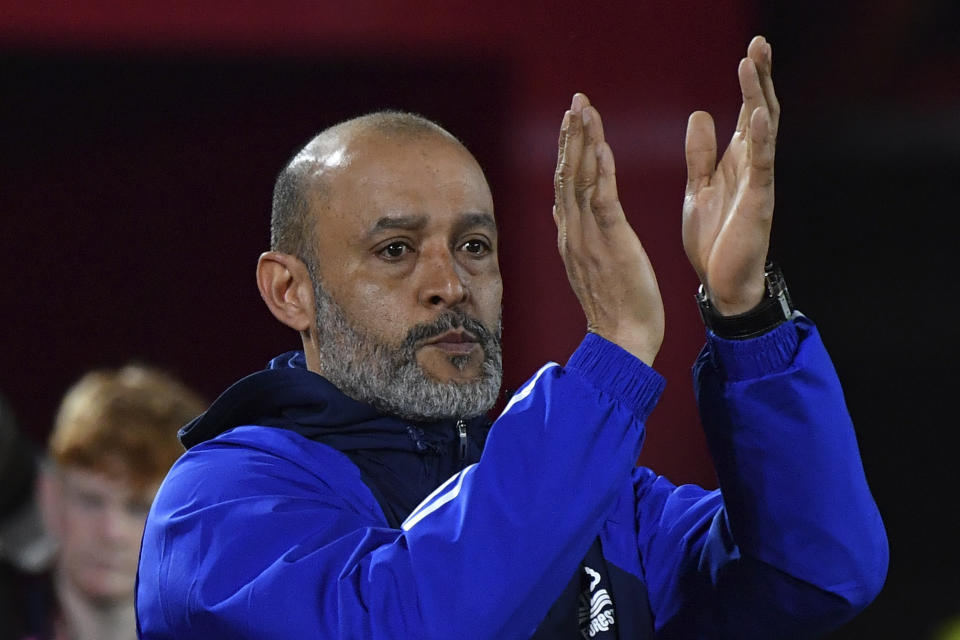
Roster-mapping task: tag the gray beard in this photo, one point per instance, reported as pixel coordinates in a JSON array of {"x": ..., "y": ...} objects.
[{"x": 390, "y": 378}]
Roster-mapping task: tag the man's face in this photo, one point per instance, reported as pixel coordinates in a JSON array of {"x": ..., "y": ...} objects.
[
  {"x": 409, "y": 282},
  {"x": 99, "y": 522}
]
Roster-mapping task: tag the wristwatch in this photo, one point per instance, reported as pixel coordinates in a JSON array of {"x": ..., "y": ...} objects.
[{"x": 775, "y": 309}]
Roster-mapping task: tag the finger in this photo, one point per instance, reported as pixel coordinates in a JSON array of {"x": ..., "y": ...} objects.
[
  {"x": 569, "y": 155},
  {"x": 593, "y": 125},
  {"x": 761, "y": 53},
  {"x": 766, "y": 82},
  {"x": 700, "y": 151},
  {"x": 569, "y": 150},
  {"x": 605, "y": 202},
  {"x": 586, "y": 179},
  {"x": 762, "y": 149},
  {"x": 756, "y": 50},
  {"x": 561, "y": 151},
  {"x": 560, "y": 211},
  {"x": 750, "y": 89}
]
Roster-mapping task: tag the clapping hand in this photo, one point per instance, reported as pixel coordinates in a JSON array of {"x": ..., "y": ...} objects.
[{"x": 728, "y": 207}]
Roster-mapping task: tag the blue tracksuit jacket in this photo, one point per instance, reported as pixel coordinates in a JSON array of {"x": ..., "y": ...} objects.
[{"x": 299, "y": 513}]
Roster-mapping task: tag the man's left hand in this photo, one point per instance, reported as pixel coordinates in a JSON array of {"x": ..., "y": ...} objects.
[{"x": 728, "y": 207}]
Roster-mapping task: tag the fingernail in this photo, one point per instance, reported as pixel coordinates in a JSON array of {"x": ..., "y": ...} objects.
[{"x": 586, "y": 116}]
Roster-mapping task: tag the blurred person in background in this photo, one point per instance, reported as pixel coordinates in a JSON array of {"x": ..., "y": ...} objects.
[
  {"x": 114, "y": 438},
  {"x": 25, "y": 550}
]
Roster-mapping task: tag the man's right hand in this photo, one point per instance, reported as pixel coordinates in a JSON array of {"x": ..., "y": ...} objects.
[{"x": 606, "y": 264}]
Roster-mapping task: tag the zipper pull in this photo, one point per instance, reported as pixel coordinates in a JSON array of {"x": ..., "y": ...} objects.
[{"x": 462, "y": 432}]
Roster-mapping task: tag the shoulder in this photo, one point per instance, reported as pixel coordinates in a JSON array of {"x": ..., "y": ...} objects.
[
  {"x": 251, "y": 461},
  {"x": 251, "y": 499}
]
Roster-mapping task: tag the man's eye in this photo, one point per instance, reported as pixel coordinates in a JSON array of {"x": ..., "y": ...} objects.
[
  {"x": 395, "y": 250},
  {"x": 476, "y": 247}
]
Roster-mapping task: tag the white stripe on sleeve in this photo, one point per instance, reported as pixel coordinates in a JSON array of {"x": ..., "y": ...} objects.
[
  {"x": 523, "y": 393},
  {"x": 427, "y": 507}
]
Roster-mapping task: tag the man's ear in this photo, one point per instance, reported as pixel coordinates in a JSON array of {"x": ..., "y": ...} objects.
[{"x": 286, "y": 287}]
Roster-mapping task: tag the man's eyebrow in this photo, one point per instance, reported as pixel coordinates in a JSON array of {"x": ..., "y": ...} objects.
[
  {"x": 471, "y": 220},
  {"x": 416, "y": 223},
  {"x": 404, "y": 223}
]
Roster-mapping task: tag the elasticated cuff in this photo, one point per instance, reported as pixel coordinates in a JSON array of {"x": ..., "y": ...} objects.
[
  {"x": 617, "y": 372},
  {"x": 766, "y": 354}
]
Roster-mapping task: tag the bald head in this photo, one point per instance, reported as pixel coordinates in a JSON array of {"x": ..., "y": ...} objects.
[{"x": 303, "y": 185}]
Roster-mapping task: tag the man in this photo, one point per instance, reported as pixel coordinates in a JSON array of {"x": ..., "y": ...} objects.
[
  {"x": 353, "y": 490},
  {"x": 110, "y": 447}
]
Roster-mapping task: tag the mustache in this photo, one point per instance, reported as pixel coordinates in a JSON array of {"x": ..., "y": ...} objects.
[{"x": 449, "y": 321}]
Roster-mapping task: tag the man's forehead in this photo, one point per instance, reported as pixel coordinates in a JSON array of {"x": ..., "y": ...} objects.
[{"x": 463, "y": 221}]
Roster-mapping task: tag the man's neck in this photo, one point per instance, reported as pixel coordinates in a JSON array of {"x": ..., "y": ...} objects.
[{"x": 85, "y": 620}]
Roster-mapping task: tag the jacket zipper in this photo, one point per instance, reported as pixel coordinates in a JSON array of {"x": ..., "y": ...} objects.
[{"x": 462, "y": 432}]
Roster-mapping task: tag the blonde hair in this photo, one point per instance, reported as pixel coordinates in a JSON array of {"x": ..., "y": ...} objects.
[{"x": 123, "y": 423}]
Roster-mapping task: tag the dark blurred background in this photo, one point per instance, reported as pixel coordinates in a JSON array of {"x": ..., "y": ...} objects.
[{"x": 139, "y": 146}]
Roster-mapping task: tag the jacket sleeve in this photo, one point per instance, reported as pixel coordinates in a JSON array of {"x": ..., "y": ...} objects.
[
  {"x": 792, "y": 544},
  {"x": 244, "y": 543}
]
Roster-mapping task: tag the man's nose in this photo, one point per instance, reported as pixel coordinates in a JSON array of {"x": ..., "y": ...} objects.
[{"x": 441, "y": 280}]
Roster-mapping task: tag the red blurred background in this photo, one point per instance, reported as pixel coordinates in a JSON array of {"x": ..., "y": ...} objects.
[{"x": 140, "y": 143}]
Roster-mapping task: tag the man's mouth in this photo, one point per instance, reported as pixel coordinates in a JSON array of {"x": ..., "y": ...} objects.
[{"x": 456, "y": 342}]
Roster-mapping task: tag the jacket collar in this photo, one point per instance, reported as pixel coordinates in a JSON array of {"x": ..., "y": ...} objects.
[{"x": 288, "y": 395}]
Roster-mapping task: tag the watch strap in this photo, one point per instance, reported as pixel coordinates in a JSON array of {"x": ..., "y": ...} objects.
[{"x": 773, "y": 310}]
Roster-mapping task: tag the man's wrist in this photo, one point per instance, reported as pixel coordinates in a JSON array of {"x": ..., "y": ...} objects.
[{"x": 774, "y": 309}]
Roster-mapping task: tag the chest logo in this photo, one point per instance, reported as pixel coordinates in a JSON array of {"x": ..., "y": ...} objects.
[{"x": 596, "y": 607}]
